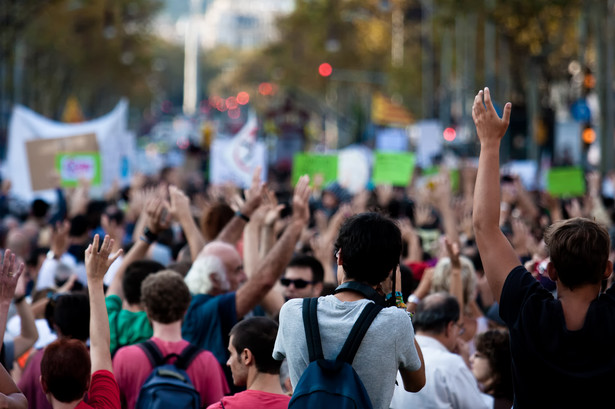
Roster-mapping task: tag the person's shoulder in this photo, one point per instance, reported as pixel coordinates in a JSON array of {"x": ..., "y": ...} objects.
[
  {"x": 292, "y": 305},
  {"x": 113, "y": 302},
  {"x": 127, "y": 354}
]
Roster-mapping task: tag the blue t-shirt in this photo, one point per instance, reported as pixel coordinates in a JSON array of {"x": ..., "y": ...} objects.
[{"x": 208, "y": 321}]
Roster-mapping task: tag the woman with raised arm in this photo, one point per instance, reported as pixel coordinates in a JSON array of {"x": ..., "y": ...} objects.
[{"x": 68, "y": 371}]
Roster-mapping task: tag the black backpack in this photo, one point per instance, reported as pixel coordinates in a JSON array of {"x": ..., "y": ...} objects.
[
  {"x": 168, "y": 385},
  {"x": 332, "y": 383}
]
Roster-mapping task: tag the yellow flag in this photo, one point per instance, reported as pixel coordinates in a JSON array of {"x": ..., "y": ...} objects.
[
  {"x": 388, "y": 113},
  {"x": 72, "y": 111}
]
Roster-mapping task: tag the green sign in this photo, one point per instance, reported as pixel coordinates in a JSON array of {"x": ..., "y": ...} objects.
[
  {"x": 454, "y": 175},
  {"x": 75, "y": 166},
  {"x": 313, "y": 164},
  {"x": 393, "y": 168},
  {"x": 566, "y": 182}
]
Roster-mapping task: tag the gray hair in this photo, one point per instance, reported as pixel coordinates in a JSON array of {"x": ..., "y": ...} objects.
[{"x": 198, "y": 277}]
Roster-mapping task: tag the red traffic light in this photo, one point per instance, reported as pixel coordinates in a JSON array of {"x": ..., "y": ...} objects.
[
  {"x": 449, "y": 134},
  {"x": 325, "y": 69}
]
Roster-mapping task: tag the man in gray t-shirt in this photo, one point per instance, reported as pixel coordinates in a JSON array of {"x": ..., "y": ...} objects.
[{"x": 369, "y": 247}]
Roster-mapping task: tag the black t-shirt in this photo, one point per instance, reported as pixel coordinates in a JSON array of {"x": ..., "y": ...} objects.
[{"x": 552, "y": 366}]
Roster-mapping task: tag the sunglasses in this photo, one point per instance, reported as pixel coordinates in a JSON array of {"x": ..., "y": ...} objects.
[{"x": 299, "y": 283}]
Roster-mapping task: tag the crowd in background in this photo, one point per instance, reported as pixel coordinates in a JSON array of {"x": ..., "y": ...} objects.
[{"x": 183, "y": 215}]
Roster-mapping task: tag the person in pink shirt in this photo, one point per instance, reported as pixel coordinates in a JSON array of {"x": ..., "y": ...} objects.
[
  {"x": 165, "y": 297},
  {"x": 252, "y": 364}
]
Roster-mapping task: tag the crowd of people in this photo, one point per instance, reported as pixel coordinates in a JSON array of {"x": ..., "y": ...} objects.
[{"x": 492, "y": 295}]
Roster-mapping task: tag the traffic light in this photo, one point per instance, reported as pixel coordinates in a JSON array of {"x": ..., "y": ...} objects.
[
  {"x": 588, "y": 135},
  {"x": 325, "y": 69}
]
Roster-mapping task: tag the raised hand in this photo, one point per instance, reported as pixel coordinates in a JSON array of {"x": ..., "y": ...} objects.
[
  {"x": 157, "y": 215},
  {"x": 97, "y": 260},
  {"x": 301, "y": 197},
  {"x": 59, "y": 238},
  {"x": 452, "y": 249},
  {"x": 489, "y": 126},
  {"x": 254, "y": 195},
  {"x": 9, "y": 275},
  {"x": 179, "y": 203}
]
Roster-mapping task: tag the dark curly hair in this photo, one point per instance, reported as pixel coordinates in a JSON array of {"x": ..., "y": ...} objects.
[
  {"x": 165, "y": 296},
  {"x": 495, "y": 346}
]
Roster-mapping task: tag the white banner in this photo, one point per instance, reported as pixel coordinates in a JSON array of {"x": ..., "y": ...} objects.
[
  {"x": 234, "y": 160},
  {"x": 116, "y": 145}
]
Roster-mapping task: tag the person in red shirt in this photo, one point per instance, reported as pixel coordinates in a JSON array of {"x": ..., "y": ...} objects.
[
  {"x": 66, "y": 365},
  {"x": 252, "y": 364}
]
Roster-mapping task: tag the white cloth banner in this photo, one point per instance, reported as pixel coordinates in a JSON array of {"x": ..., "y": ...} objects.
[
  {"x": 234, "y": 160},
  {"x": 116, "y": 146}
]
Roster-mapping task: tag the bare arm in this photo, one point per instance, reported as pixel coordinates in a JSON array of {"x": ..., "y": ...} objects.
[
  {"x": 10, "y": 395},
  {"x": 9, "y": 275},
  {"x": 497, "y": 254},
  {"x": 97, "y": 263},
  {"x": 29, "y": 334},
  {"x": 180, "y": 209},
  {"x": 456, "y": 286},
  {"x": 273, "y": 265},
  {"x": 152, "y": 215},
  {"x": 232, "y": 232},
  {"x": 414, "y": 380}
]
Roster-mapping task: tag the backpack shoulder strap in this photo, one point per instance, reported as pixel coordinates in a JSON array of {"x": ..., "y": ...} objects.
[
  {"x": 187, "y": 356},
  {"x": 360, "y": 327},
  {"x": 152, "y": 352},
  {"x": 312, "y": 332}
]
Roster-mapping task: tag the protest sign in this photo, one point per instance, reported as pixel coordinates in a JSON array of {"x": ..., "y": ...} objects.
[
  {"x": 72, "y": 167},
  {"x": 394, "y": 168},
  {"x": 566, "y": 182},
  {"x": 315, "y": 164},
  {"x": 42, "y": 153}
]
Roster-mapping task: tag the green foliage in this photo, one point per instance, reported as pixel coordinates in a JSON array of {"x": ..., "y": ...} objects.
[{"x": 97, "y": 50}]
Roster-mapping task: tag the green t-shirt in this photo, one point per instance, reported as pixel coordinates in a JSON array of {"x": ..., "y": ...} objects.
[{"x": 126, "y": 327}]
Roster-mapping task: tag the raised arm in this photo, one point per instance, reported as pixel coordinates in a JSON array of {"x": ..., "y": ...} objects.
[
  {"x": 9, "y": 275},
  {"x": 10, "y": 395},
  {"x": 29, "y": 334},
  {"x": 497, "y": 254},
  {"x": 180, "y": 209},
  {"x": 97, "y": 263},
  {"x": 272, "y": 266},
  {"x": 154, "y": 214},
  {"x": 233, "y": 230}
]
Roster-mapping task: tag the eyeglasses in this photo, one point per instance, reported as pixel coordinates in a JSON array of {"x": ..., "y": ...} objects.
[
  {"x": 461, "y": 327},
  {"x": 299, "y": 283}
]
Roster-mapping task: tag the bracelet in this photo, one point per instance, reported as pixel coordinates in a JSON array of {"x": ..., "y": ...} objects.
[
  {"x": 413, "y": 299},
  {"x": 242, "y": 216},
  {"x": 19, "y": 299},
  {"x": 397, "y": 294}
]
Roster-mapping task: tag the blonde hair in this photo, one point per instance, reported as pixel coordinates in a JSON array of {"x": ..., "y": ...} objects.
[{"x": 441, "y": 280}]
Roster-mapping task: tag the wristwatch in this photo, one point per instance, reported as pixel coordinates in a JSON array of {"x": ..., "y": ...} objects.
[
  {"x": 51, "y": 255},
  {"x": 149, "y": 235}
]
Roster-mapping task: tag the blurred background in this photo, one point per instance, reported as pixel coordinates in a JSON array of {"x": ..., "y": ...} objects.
[{"x": 319, "y": 75}]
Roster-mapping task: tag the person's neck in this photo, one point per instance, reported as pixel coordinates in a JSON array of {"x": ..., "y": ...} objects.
[
  {"x": 131, "y": 307},
  {"x": 575, "y": 303},
  {"x": 56, "y": 404},
  {"x": 168, "y": 332},
  {"x": 264, "y": 382},
  {"x": 350, "y": 295}
]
